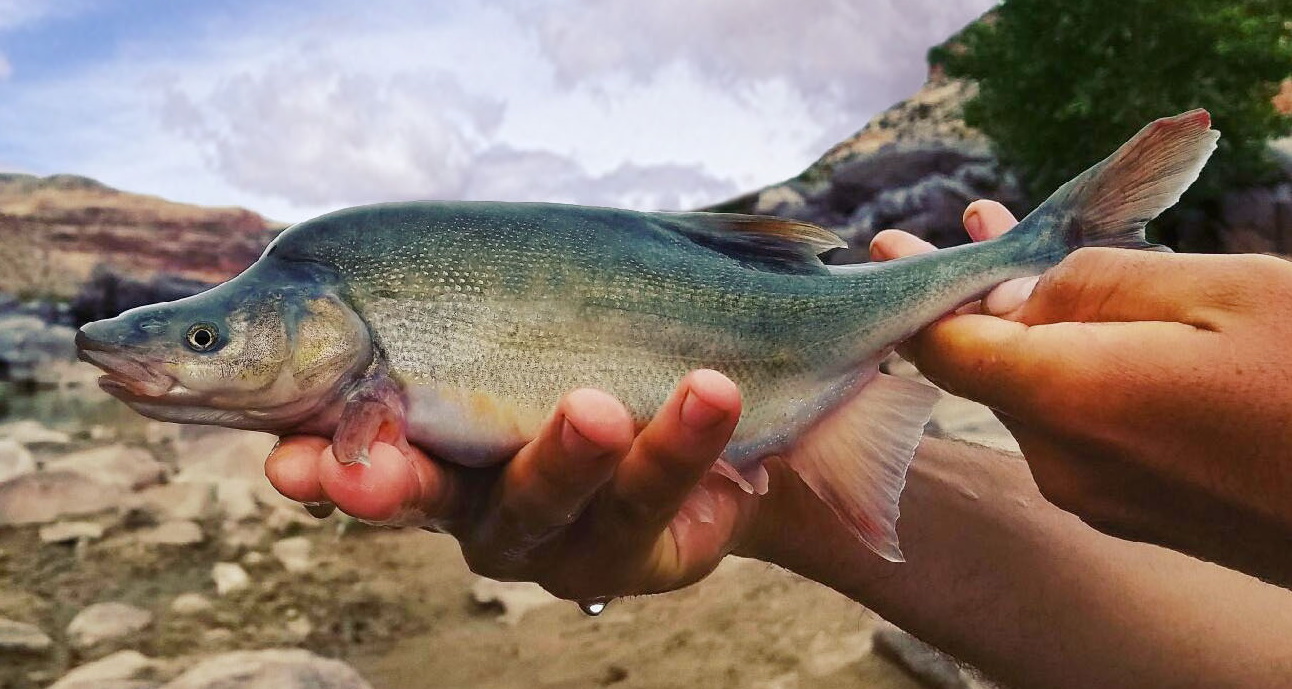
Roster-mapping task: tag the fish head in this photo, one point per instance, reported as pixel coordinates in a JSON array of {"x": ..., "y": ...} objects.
[{"x": 245, "y": 354}]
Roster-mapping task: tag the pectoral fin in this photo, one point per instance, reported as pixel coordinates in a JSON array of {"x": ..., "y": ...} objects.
[
  {"x": 855, "y": 458},
  {"x": 373, "y": 411}
]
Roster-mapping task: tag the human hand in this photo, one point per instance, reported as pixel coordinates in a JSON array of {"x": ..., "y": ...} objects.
[
  {"x": 589, "y": 509},
  {"x": 1149, "y": 392}
]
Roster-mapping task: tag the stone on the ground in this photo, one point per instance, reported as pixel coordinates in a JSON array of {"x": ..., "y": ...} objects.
[
  {"x": 237, "y": 538},
  {"x": 32, "y": 432},
  {"x": 192, "y": 501},
  {"x": 47, "y": 496},
  {"x": 229, "y": 577},
  {"x": 516, "y": 598},
  {"x": 20, "y": 637},
  {"x": 15, "y": 460},
  {"x": 933, "y": 668},
  {"x": 190, "y": 604},
  {"x": 236, "y": 499},
  {"x": 218, "y": 636},
  {"x": 131, "y": 468},
  {"x": 160, "y": 432},
  {"x": 283, "y": 519},
  {"x": 68, "y": 532},
  {"x": 270, "y": 669},
  {"x": 828, "y": 653},
  {"x": 294, "y": 554},
  {"x": 299, "y": 629},
  {"x": 220, "y": 455},
  {"x": 107, "y": 624},
  {"x": 177, "y": 532},
  {"x": 113, "y": 670}
]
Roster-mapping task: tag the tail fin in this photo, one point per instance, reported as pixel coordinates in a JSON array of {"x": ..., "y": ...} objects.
[{"x": 1109, "y": 204}]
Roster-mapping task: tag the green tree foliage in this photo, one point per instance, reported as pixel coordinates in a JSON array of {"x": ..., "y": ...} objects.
[{"x": 1062, "y": 83}]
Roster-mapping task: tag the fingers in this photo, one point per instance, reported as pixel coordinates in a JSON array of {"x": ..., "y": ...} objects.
[
  {"x": 674, "y": 451},
  {"x": 1030, "y": 372},
  {"x": 891, "y": 244},
  {"x": 292, "y": 468},
  {"x": 397, "y": 487},
  {"x": 986, "y": 219},
  {"x": 1111, "y": 285},
  {"x": 548, "y": 483},
  {"x": 982, "y": 219}
]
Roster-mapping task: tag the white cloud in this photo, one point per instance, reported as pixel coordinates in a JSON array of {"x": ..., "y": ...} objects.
[
  {"x": 835, "y": 53},
  {"x": 315, "y": 133},
  {"x": 293, "y": 112},
  {"x": 505, "y": 173},
  {"x": 6, "y": 69}
]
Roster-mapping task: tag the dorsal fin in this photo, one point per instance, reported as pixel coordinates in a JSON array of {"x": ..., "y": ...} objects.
[{"x": 759, "y": 241}]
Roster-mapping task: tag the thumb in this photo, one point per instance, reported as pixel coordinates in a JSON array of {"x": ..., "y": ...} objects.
[{"x": 1117, "y": 285}]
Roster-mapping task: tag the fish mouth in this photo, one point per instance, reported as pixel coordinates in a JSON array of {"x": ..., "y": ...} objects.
[{"x": 125, "y": 376}]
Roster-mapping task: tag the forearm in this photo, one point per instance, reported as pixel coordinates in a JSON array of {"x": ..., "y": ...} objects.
[{"x": 1003, "y": 580}]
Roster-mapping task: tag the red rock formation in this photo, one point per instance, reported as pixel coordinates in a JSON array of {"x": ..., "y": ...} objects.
[{"x": 55, "y": 230}]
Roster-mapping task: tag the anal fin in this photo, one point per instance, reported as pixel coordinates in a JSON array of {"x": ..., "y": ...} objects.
[{"x": 855, "y": 458}]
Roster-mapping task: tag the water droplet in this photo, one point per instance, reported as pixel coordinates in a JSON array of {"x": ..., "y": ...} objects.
[{"x": 594, "y": 607}]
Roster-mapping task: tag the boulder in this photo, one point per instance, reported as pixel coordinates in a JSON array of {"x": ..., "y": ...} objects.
[
  {"x": 514, "y": 599},
  {"x": 71, "y": 532},
  {"x": 29, "y": 345},
  {"x": 830, "y": 653},
  {"x": 121, "y": 670},
  {"x": 294, "y": 554},
  {"x": 171, "y": 501},
  {"x": 107, "y": 624},
  {"x": 270, "y": 669},
  {"x": 236, "y": 499},
  {"x": 130, "y": 468},
  {"x": 219, "y": 456},
  {"x": 172, "y": 533},
  {"x": 15, "y": 460},
  {"x": 188, "y": 604},
  {"x": 229, "y": 578},
  {"x": 32, "y": 432},
  {"x": 20, "y": 637},
  {"x": 48, "y": 496}
]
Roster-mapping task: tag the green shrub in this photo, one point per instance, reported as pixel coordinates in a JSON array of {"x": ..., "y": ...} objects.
[{"x": 1062, "y": 83}]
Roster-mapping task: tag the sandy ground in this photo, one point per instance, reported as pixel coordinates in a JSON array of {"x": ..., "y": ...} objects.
[{"x": 397, "y": 605}]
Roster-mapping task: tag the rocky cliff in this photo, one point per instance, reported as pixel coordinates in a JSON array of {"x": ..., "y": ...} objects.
[
  {"x": 55, "y": 231},
  {"x": 915, "y": 166}
]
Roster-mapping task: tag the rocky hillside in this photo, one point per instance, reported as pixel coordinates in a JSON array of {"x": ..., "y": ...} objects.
[
  {"x": 914, "y": 166},
  {"x": 55, "y": 231},
  {"x": 917, "y": 165}
]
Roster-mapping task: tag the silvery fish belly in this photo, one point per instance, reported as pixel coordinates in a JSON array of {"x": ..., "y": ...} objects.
[{"x": 460, "y": 325}]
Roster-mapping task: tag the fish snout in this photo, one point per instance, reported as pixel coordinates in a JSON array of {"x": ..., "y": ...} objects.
[{"x": 103, "y": 344}]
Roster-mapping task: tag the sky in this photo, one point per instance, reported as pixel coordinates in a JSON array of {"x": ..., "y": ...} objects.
[{"x": 296, "y": 108}]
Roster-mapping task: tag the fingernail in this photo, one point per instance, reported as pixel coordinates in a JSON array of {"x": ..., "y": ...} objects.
[
  {"x": 973, "y": 225},
  {"x": 877, "y": 251},
  {"x": 1009, "y": 297},
  {"x": 319, "y": 510},
  {"x": 577, "y": 444},
  {"x": 698, "y": 414}
]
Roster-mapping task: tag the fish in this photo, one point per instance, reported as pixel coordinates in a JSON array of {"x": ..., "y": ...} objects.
[{"x": 457, "y": 326}]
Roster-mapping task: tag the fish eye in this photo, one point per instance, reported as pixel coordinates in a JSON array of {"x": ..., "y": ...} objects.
[{"x": 202, "y": 337}]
